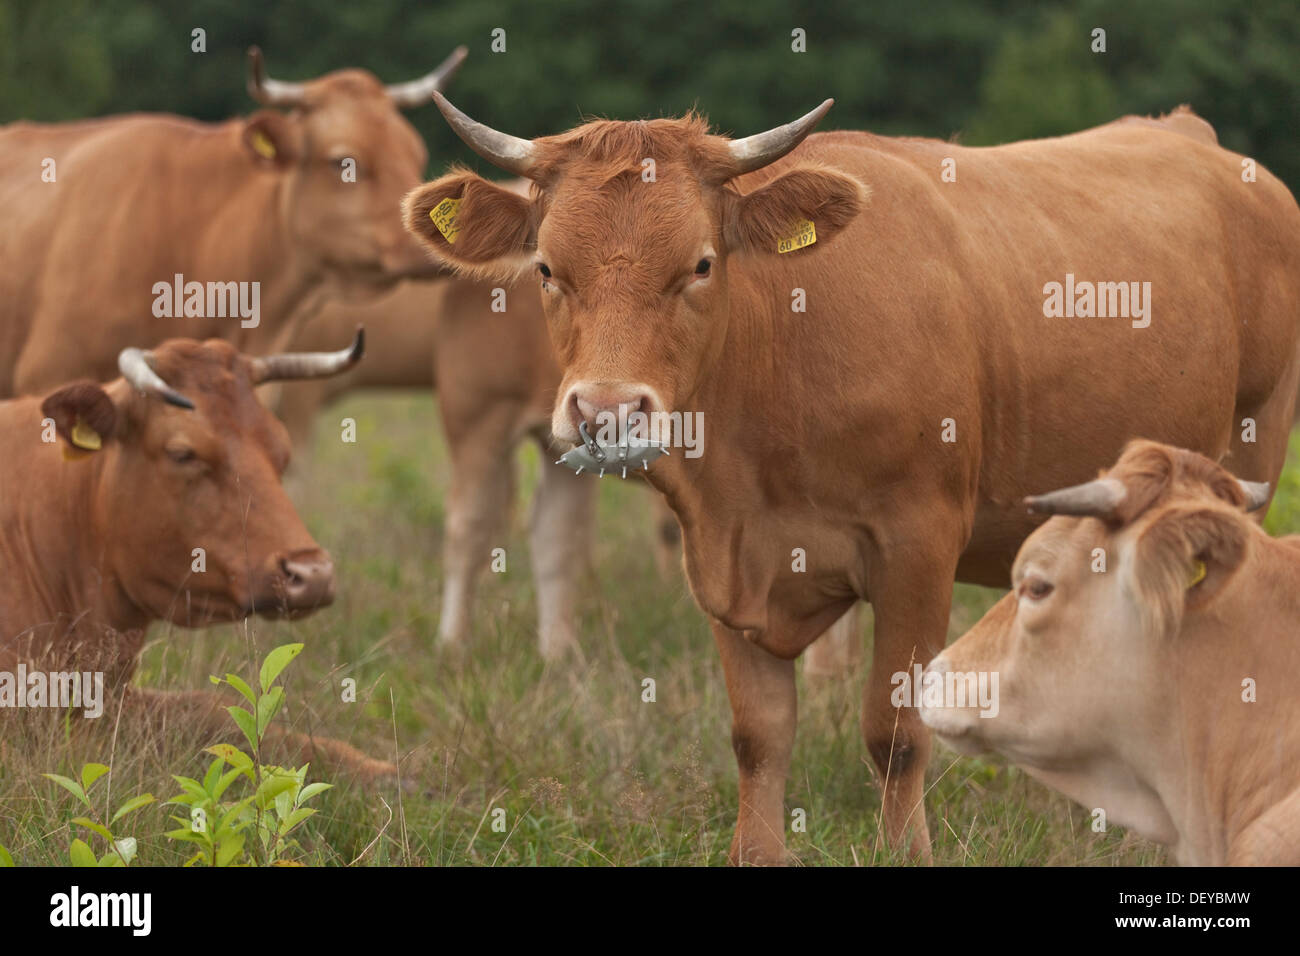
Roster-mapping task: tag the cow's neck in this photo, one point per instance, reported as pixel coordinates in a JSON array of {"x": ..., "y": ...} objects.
[
  {"x": 773, "y": 399},
  {"x": 230, "y": 247},
  {"x": 60, "y": 599}
]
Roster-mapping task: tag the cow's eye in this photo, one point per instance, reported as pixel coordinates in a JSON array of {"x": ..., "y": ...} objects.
[
  {"x": 181, "y": 454},
  {"x": 702, "y": 268},
  {"x": 1036, "y": 588},
  {"x": 544, "y": 270}
]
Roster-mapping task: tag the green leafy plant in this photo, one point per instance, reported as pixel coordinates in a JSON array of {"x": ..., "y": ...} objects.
[
  {"x": 120, "y": 850},
  {"x": 219, "y": 827}
]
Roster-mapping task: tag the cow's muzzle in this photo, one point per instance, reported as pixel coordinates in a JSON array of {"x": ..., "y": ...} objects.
[{"x": 302, "y": 582}]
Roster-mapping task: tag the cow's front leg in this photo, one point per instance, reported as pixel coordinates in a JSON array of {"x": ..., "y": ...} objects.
[
  {"x": 911, "y": 594},
  {"x": 763, "y": 714}
]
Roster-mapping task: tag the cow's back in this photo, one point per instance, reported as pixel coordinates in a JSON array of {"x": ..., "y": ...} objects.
[
  {"x": 1180, "y": 120},
  {"x": 945, "y": 283}
]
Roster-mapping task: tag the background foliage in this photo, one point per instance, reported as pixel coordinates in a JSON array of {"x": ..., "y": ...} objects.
[{"x": 988, "y": 70}]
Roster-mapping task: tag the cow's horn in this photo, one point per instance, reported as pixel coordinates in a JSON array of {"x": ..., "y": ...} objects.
[
  {"x": 1256, "y": 493},
  {"x": 510, "y": 153},
  {"x": 291, "y": 365},
  {"x": 135, "y": 368},
  {"x": 267, "y": 91},
  {"x": 1097, "y": 499},
  {"x": 755, "y": 152},
  {"x": 417, "y": 92}
]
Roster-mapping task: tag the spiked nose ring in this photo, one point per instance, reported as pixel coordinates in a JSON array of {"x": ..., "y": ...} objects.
[{"x": 628, "y": 453}]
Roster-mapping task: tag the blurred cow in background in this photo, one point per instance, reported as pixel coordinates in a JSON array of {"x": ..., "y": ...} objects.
[{"x": 127, "y": 230}]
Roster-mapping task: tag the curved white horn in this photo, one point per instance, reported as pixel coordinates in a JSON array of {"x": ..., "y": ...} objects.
[
  {"x": 507, "y": 152},
  {"x": 267, "y": 91},
  {"x": 418, "y": 92},
  {"x": 1097, "y": 499},
  {"x": 292, "y": 365},
  {"x": 761, "y": 149},
  {"x": 135, "y": 368}
]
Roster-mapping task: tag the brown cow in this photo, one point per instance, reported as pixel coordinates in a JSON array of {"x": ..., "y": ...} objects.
[
  {"x": 107, "y": 492},
  {"x": 884, "y": 435},
  {"x": 1145, "y": 663},
  {"x": 102, "y": 215},
  {"x": 497, "y": 381}
]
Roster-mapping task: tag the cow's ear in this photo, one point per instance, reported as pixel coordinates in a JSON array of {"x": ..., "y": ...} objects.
[
  {"x": 84, "y": 416},
  {"x": 1192, "y": 552},
  {"x": 477, "y": 226},
  {"x": 272, "y": 139},
  {"x": 809, "y": 204}
]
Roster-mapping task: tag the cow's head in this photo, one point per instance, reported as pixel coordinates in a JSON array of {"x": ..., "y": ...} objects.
[
  {"x": 1102, "y": 595},
  {"x": 347, "y": 219},
  {"x": 185, "y": 457},
  {"x": 629, "y": 229}
]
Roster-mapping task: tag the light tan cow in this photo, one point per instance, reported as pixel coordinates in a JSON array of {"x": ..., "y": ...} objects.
[
  {"x": 257, "y": 216},
  {"x": 110, "y": 494},
  {"x": 886, "y": 359},
  {"x": 1146, "y": 661}
]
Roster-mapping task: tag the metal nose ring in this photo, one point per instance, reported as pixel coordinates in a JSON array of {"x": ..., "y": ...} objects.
[{"x": 593, "y": 449}]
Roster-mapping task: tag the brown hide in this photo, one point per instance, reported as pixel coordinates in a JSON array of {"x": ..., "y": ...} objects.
[{"x": 138, "y": 199}]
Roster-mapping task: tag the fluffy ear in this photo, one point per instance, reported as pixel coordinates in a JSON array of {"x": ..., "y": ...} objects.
[
  {"x": 478, "y": 226},
  {"x": 764, "y": 220},
  {"x": 272, "y": 139},
  {"x": 84, "y": 416},
  {"x": 1188, "y": 554}
]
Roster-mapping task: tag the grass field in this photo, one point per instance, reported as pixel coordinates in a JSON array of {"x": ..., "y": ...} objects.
[{"x": 586, "y": 772}]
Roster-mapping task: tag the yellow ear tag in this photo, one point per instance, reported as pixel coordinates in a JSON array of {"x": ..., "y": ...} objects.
[
  {"x": 83, "y": 436},
  {"x": 805, "y": 234},
  {"x": 262, "y": 145},
  {"x": 444, "y": 217},
  {"x": 1198, "y": 574}
]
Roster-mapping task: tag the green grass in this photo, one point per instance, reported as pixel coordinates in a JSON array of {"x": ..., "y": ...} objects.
[{"x": 587, "y": 773}]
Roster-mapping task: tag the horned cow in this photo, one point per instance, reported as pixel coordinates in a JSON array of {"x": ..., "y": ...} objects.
[
  {"x": 157, "y": 497},
  {"x": 1158, "y": 686},
  {"x": 889, "y": 430}
]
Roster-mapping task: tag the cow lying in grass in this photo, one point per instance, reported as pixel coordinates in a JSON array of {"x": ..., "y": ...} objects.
[
  {"x": 107, "y": 495},
  {"x": 1162, "y": 689}
]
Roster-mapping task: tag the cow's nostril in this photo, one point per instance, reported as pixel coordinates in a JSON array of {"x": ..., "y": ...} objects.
[
  {"x": 288, "y": 569},
  {"x": 308, "y": 579},
  {"x": 581, "y": 411}
]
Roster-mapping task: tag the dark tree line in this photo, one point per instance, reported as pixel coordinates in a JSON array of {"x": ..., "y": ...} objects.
[{"x": 986, "y": 70}]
